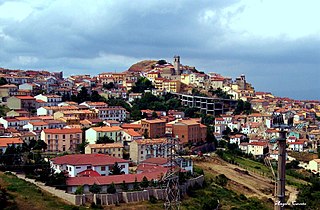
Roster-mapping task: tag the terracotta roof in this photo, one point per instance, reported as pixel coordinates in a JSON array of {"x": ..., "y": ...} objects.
[
  {"x": 5, "y": 141},
  {"x": 107, "y": 129},
  {"x": 88, "y": 173},
  {"x": 116, "y": 179},
  {"x": 88, "y": 159},
  {"x": 25, "y": 97},
  {"x": 62, "y": 131},
  {"x": 133, "y": 126},
  {"x": 38, "y": 123},
  {"x": 102, "y": 146},
  {"x": 258, "y": 143},
  {"x": 131, "y": 132},
  {"x": 151, "y": 141},
  {"x": 156, "y": 161},
  {"x": 154, "y": 121}
]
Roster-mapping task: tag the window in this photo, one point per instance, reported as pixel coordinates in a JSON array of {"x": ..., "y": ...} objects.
[
  {"x": 88, "y": 167},
  {"x": 141, "y": 152},
  {"x": 103, "y": 168},
  {"x": 56, "y": 136},
  {"x": 78, "y": 167},
  {"x": 63, "y": 136}
]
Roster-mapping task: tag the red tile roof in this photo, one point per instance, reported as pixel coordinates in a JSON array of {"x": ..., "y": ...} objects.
[
  {"x": 5, "y": 141},
  {"x": 156, "y": 161},
  {"x": 116, "y": 179},
  {"x": 87, "y": 159},
  {"x": 63, "y": 131}
]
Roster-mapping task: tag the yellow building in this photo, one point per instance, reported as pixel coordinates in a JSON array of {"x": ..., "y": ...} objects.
[{"x": 113, "y": 149}]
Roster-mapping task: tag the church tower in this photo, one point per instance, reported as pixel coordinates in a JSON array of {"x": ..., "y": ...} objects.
[{"x": 177, "y": 65}]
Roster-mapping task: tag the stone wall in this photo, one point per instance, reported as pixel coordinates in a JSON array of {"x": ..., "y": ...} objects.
[{"x": 136, "y": 196}]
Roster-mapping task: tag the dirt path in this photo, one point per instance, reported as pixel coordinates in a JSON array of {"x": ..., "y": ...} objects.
[{"x": 249, "y": 184}]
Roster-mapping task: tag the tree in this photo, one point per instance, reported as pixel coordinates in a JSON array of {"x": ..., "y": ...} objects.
[
  {"x": 104, "y": 140},
  {"x": 96, "y": 97},
  {"x": 111, "y": 189},
  {"x": 3, "y": 81},
  {"x": 95, "y": 189},
  {"x": 154, "y": 115},
  {"x": 83, "y": 95},
  {"x": 222, "y": 180},
  {"x": 116, "y": 169},
  {"x": 124, "y": 186},
  {"x": 161, "y": 62},
  {"x": 141, "y": 85},
  {"x": 79, "y": 190},
  {"x": 136, "y": 185},
  {"x": 109, "y": 86},
  {"x": 40, "y": 145},
  {"x": 145, "y": 182}
]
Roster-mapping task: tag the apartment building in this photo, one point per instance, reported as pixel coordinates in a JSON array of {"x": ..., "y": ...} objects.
[
  {"x": 21, "y": 102},
  {"x": 117, "y": 113},
  {"x": 61, "y": 140},
  {"x": 79, "y": 114},
  {"x": 141, "y": 150},
  {"x": 50, "y": 100},
  {"x": 189, "y": 131},
  {"x": 94, "y": 133},
  {"x": 112, "y": 149},
  {"x": 153, "y": 128}
]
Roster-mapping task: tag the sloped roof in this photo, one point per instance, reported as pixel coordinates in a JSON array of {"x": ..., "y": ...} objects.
[{"x": 87, "y": 159}]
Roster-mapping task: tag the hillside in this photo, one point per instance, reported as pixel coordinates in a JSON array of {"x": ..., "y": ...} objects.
[{"x": 142, "y": 66}]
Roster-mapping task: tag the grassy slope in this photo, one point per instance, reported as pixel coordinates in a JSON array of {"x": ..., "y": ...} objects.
[{"x": 28, "y": 196}]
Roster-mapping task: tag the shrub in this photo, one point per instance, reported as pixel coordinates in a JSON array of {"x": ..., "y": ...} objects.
[
  {"x": 111, "y": 189},
  {"x": 222, "y": 180},
  {"x": 79, "y": 190},
  {"x": 152, "y": 199}
]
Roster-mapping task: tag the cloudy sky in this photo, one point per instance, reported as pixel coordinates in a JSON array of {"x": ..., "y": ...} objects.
[{"x": 275, "y": 43}]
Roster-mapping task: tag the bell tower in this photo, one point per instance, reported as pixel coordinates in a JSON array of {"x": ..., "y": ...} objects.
[{"x": 177, "y": 65}]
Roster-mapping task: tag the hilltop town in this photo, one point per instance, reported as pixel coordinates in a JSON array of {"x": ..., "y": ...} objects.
[{"x": 113, "y": 132}]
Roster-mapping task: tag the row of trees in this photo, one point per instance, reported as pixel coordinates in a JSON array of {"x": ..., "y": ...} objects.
[
  {"x": 111, "y": 189},
  {"x": 83, "y": 96}
]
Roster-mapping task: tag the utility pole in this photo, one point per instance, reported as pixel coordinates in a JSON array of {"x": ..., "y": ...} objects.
[
  {"x": 279, "y": 122},
  {"x": 281, "y": 175}
]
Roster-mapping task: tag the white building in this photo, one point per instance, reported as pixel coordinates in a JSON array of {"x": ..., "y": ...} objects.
[
  {"x": 75, "y": 164},
  {"x": 93, "y": 134},
  {"x": 51, "y": 100}
]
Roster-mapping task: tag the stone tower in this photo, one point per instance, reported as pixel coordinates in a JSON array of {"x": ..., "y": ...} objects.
[{"x": 177, "y": 65}]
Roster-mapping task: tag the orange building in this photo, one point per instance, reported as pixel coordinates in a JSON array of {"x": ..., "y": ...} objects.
[
  {"x": 60, "y": 140},
  {"x": 153, "y": 128},
  {"x": 189, "y": 131}
]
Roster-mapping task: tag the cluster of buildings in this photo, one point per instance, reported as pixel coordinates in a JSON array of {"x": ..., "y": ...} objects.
[
  {"x": 255, "y": 134},
  {"x": 41, "y": 109}
]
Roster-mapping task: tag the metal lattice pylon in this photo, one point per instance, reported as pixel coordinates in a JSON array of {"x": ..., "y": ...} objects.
[{"x": 171, "y": 178}]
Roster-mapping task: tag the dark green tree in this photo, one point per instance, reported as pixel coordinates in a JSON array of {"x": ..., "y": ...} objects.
[
  {"x": 116, "y": 169},
  {"x": 109, "y": 86},
  {"x": 3, "y": 81},
  {"x": 104, "y": 140},
  {"x": 83, "y": 95},
  {"x": 145, "y": 182},
  {"x": 96, "y": 97},
  {"x": 111, "y": 189},
  {"x": 154, "y": 115},
  {"x": 136, "y": 184},
  {"x": 141, "y": 85},
  {"x": 124, "y": 186},
  {"x": 95, "y": 189}
]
